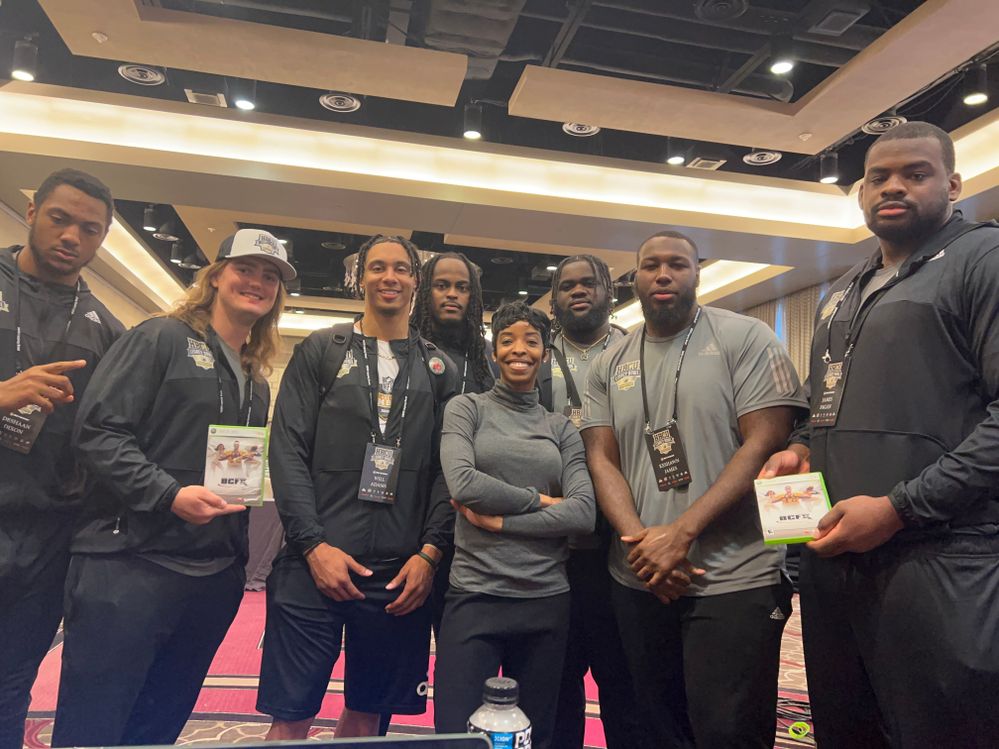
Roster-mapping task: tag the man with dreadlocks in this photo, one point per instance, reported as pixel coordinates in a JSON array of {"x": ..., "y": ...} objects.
[
  {"x": 448, "y": 312},
  {"x": 581, "y": 300},
  {"x": 354, "y": 454}
]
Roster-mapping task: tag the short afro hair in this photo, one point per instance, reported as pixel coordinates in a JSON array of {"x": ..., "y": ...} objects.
[{"x": 515, "y": 312}]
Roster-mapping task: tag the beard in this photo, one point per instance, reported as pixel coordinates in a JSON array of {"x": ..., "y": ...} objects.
[
  {"x": 581, "y": 325},
  {"x": 921, "y": 223},
  {"x": 451, "y": 333},
  {"x": 669, "y": 316}
]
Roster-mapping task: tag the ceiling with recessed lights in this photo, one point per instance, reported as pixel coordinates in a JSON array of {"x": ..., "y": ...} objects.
[{"x": 328, "y": 120}]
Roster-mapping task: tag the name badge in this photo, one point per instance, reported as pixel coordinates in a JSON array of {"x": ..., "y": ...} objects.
[
  {"x": 380, "y": 475},
  {"x": 669, "y": 460},
  {"x": 826, "y": 411},
  {"x": 19, "y": 429},
  {"x": 574, "y": 414},
  {"x": 234, "y": 466}
]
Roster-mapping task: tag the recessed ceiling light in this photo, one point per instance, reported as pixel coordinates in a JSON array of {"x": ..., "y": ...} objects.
[
  {"x": 294, "y": 293},
  {"x": 551, "y": 268},
  {"x": 333, "y": 244},
  {"x": 300, "y": 312},
  {"x": 501, "y": 260},
  {"x": 522, "y": 292},
  {"x": 283, "y": 241}
]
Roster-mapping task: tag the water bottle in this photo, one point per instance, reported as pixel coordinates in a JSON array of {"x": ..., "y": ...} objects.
[{"x": 499, "y": 718}]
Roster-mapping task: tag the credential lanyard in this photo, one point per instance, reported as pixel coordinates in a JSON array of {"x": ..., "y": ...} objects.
[
  {"x": 249, "y": 395},
  {"x": 376, "y": 427},
  {"x": 17, "y": 313},
  {"x": 676, "y": 379}
]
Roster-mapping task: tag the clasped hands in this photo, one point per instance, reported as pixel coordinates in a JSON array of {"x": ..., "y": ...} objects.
[{"x": 658, "y": 556}]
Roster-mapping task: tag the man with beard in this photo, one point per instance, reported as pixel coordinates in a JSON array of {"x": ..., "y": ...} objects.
[
  {"x": 448, "y": 313},
  {"x": 678, "y": 420},
  {"x": 580, "y": 304},
  {"x": 53, "y": 332},
  {"x": 900, "y": 592}
]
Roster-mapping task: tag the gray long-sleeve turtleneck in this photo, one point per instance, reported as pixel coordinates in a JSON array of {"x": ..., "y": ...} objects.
[{"x": 499, "y": 450}]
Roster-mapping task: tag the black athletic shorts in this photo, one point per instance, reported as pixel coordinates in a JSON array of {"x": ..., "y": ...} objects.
[{"x": 387, "y": 656}]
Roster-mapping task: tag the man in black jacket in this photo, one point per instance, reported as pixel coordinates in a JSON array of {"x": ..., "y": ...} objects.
[
  {"x": 354, "y": 454},
  {"x": 52, "y": 334},
  {"x": 158, "y": 562},
  {"x": 900, "y": 592}
]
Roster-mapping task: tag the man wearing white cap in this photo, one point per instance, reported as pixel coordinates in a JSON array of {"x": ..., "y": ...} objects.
[{"x": 156, "y": 575}]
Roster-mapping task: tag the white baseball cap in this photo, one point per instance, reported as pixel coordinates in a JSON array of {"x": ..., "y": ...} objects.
[{"x": 260, "y": 243}]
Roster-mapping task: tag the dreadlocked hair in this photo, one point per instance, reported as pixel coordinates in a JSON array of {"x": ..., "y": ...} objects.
[
  {"x": 423, "y": 315},
  {"x": 600, "y": 270},
  {"x": 362, "y": 259}
]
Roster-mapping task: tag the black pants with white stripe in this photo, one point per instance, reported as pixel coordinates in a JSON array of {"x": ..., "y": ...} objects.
[{"x": 705, "y": 667}]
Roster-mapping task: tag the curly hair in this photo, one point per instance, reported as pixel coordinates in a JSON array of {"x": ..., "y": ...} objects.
[
  {"x": 474, "y": 330},
  {"x": 600, "y": 270}
]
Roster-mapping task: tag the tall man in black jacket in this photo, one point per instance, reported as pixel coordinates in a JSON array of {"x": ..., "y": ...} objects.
[
  {"x": 52, "y": 334},
  {"x": 900, "y": 593},
  {"x": 354, "y": 454}
]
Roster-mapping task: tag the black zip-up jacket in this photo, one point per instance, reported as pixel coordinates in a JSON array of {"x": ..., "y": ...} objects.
[
  {"x": 317, "y": 451},
  {"x": 40, "y": 492},
  {"x": 142, "y": 430},
  {"x": 919, "y": 419}
]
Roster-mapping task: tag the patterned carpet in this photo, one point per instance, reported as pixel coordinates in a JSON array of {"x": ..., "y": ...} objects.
[{"x": 225, "y": 709}]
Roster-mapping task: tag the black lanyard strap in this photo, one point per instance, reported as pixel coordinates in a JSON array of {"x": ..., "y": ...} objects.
[
  {"x": 17, "y": 314},
  {"x": 376, "y": 427},
  {"x": 249, "y": 395},
  {"x": 676, "y": 378},
  {"x": 562, "y": 359}
]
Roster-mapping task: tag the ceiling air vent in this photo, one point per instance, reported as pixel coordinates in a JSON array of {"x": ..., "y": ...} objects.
[
  {"x": 704, "y": 164},
  {"x": 883, "y": 124},
  {"x": 210, "y": 100},
  {"x": 142, "y": 75},
  {"x": 840, "y": 17},
  {"x": 762, "y": 158}
]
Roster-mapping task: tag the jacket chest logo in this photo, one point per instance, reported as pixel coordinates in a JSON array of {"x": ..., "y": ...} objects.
[
  {"x": 200, "y": 354},
  {"x": 831, "y": 305},
  {"x": 626, "y": 374},
  {"x": 349, "y": 363}
]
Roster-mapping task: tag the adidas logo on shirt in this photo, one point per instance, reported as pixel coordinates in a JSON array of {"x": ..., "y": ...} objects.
[
  {"x": 710, "y": 350},
  {"x": 778, "y": 615},
  {"x": 92, "y": 315}
]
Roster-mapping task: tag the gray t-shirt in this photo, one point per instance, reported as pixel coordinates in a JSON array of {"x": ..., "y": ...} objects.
[
  {"x": 578, "y": 367},
  {"x": 578, "y": 370},
  {"x": 734, "y": 365},
  {"x": 236, "y": 365},
  {"x": 499, "y": 451}
]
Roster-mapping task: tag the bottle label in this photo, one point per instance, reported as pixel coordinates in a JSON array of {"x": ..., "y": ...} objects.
[{"x": 506, "y": 739}]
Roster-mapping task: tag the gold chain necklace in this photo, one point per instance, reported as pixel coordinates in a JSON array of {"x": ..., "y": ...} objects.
[{"x": 584, "y": 353}]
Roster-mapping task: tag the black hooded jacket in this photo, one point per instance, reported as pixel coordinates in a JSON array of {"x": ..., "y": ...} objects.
[
  {"x": 142, "y": 430},
  {"x": 919, "y": 419},
  {"x": 40, "y": 492}
]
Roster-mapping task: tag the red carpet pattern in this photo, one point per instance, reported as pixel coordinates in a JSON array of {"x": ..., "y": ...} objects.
[{"x": 225, "y": 709}]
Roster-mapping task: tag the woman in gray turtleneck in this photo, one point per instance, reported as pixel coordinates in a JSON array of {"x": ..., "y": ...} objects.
[{"x": 518, "y": 478}]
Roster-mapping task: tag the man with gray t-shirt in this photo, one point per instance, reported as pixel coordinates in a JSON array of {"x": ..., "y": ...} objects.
[{"x": 678, "y": 419}]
